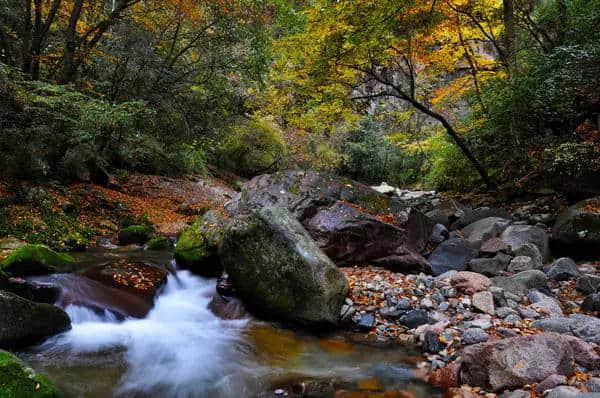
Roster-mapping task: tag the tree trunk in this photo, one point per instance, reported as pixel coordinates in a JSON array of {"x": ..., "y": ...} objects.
[
  {"x": 71, "y": 43},
  {"x": 563, "y": 22},
  {"x": 26, "y": 46}
]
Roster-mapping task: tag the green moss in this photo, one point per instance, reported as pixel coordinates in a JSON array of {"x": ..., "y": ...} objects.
[
  {"x": 135, "y": 234},
  {"x": 36, "y": 259},
  {"x": 374, "y": 202},
  {"x": 192, "y": 247},
  {"x": 159, "y": 243},
  {"x": 19, "y": 381},
  {"x": 76, "y": 242}
]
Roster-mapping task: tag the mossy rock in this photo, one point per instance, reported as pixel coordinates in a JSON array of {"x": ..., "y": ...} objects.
[
  {"x": 159, "y": 243},
  {"x": 17, "y": 380},
  {"x": 136, "y": 234},
  {"x": 37, "y": 260},
  {"x": 76, "y": 242}
]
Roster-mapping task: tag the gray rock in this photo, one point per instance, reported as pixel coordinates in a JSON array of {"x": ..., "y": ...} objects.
[
  {"x": 584, "y": 353},
  {"x": 521, "y": 263},
  {"x": 439, "y": 234},
  {"x": 493, "y": 246},
  {"x": 484, "y": 229},
  {"x": 516, "y": 394},
  {"x": 471, "y": 216},
  {"x": 503, "y": 312},
  {"x": 591, "y": 303},
  {"x": 588, "y": 284},
  {"x": 483, "y": 301},
  {"x": 518, "y": 235},
  {"x": 557, "y": 324},
  {"x": 577, "y": 229},
  {"x": 453, "y": 254},
  {"x": 532, "y": 251},
  {"x": 548, "y": 306},
  {"x": 366, "y": 322},
  {"x": 432, "y": 343},
  {"x": 515, "y": 362},
  {"x": 414, "y": 318},
  {"x": 566, "y": 392},
  {"x": 528, "y": 313},
  {"x": 593, "y": 384},
  {"x": 550, "y": 382},
  {"x": 520, "y": 284},
  {"x": 487, "y": 266},
  {"x": 474, "y": 336},
  {"x": 23, "y": 321},
  {"x": 279, "y": 272},
  {"x": 586, "y": 327},
  {"x": 563, "y": 269}
]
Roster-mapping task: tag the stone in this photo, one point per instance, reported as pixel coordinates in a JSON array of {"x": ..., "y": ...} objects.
[
  {"x": 550, "y": 382},
  {"x": 593, "y": 384},
  {"x": 484, "y": 229},
  {"x": 24, "y": 322},
  {"x": 503, "y": 312},
  {"x": 494, "y": 246},
  {"x": 530, "y": 250},
  {"x": 474, "y": 336},
  {"x": 36, "y": 260},
  {"x": 471, "y": 216},
  {"x": 583, "y": 326},
  {"x": 547, "y": 306},
  {"x": 565, "y": 392},
  {"x": 139, "y": 234},
  {"x": 469, "y": 282},
  {"x": 17, "y": 380},
  {"x": 588, "y": 284},
  {"x": 414, "y": 318},
  {"x": 584, "y": 353},
  {"x": 563, "y": 269},
  {"x": 432, "y": 343},
  {"x": 516, "y": 394},
  {"x": 515, "y": 362},
  {"x": 591, "y": 303},
  {"x": 577, "y": 230},
  {"x": 487, "y": 266},
  {"x": 452, "y": 254},
  {"x": 520, "y": 284},
  {"x": 439, "y": 234},
  {"x": 366, "y": 322},
  {"x": 518, "y": 235},
  {"x": 484, "y": 302},
  {"x": 159, "y": 243},
  {"x": 445, "y": 377},
  {"x": 278, "y": 270},
  {"x": 521, "y": 263}
]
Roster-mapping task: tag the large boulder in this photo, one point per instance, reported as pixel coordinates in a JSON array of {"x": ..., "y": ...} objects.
[
  {"x": 517, "y": 361},
  {"x": 197, "y": 247},
  {"x": 132, "y": 234},
  {"x": 23, "y": 321},
  {"x": 577, "y": 229},
  {"x": 520, "y": 284},
  {"x": 471, "y": 216},
  {"x": 279, "y": 271},
  {"x": 453, "y": 254},
  {"x": 37, "y": 260},
  {"x": 349, "y": 236},
  {"x": 518, "y": 235},
  {"x": 17, "y": 380},
  {"x": 486, "y": 228}
]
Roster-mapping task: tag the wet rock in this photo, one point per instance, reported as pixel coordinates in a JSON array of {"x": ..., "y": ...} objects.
[
  {"x": 521, "y": 263},
  {"x": 474, "y": 336},
  {"x": 432, "y": 343},
  {"x": 37, "y": 260},
  {"x": 563, "y": 269},
  {"x": 366, "y": 322},
  {"x": 591, "y": 303},
  {"x": 25, "y": 322},
  {"x": 33, "y": 290},
  {"x": 227, "y": 307},
  {"x": 577, "y": 230},
  {"x": 484, "y": 302},
  {"x": 414, "y": 318},
  {"x": 470, "y": 282},
  {"x": 142, "y": 279},
  {"x": 453, "y": 254},
  {"x": 518, "y": 235},
  {"x": 550, "y": 382},
  {"x": 517, "y": 361},
  {"x": 17, "y": 380},
  {"x": 279, "y": 271}
]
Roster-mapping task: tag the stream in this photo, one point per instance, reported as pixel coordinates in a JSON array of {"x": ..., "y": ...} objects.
[{"x": 180, "y": 348}]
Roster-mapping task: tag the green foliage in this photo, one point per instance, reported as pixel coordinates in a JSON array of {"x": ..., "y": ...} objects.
[
  {"x": 255, "y": 146},
  {"x": 448, "y": 167},
  {"x": 159, "y": 243}
]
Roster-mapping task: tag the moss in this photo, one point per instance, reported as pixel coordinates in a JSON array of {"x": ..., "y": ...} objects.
[
  {"x": 192, "y": 248},
  {"x": 135, "y": 234},
  {"x": 159, "y": 243},
  {"x": 76, "y": 242},
  {"x": 374, "y": 202},
  {"x": 19, "y": 381},
  {"x": 37, "y": 259}
]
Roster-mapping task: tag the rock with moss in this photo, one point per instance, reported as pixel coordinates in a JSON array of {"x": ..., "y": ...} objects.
[
  {"x": 24, "y": 322},
  {"x": 159, "y": 243},
  {"x": 139, "y": 234},
  {"x": 577, "y": 229},
  {"x": 17, "y": 380},
  {"x": 279, "y": 271},
  {"x": 37, "y": 260},
  {"x": 197, "y": 247},
  {"x": 9, "y": 245},
  {"x": 75, "y": 242}
]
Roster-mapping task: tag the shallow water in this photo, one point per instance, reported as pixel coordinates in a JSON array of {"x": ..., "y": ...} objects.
[{"x": 181, "y": 349}]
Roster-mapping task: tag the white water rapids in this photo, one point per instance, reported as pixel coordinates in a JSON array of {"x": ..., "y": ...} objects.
[{"x": 180, "y": 349}]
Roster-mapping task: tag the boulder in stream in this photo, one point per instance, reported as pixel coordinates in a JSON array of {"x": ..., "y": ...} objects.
[
  {"x": 577, "y": 229},
  {"x": 278, "y": 270},
  {"x": 139, "y": 234},
  {"x": 23, "y": 321},
  {"x": 17, "y": 380},
  {"x": 37, "y": 260}
]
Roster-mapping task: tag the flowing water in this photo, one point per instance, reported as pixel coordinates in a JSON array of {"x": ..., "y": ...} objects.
[{"x": 180, "y": 348}]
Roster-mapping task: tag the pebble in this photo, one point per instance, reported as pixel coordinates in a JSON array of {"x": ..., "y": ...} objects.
[{"x": 474, "y": 336}]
